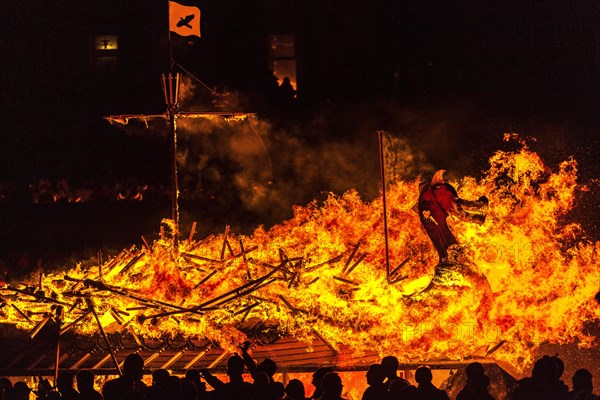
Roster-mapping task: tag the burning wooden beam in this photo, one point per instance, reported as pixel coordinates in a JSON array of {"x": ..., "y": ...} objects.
[
  {"x": 362, "y": 257},
  {"x": 224, "y": 242},
  {"x": 243, "y": 252},
  {"x": 206, "y": 278},
  {"x": 82, "y": 360},
  {"x": 146, "y": 243},
  {"x": 192, "y": 232},
  {"x": 494, "y": 348},
  {"x": 36, "y": 329},
  {"x": 397, "y": 269},
  {"x": 131, "y": 263},
  {"x": 313, "y": 281},
  {"x": 217, "y": 360},
  {"x": 102, "y": 361},
  {"x": 135, "y": 336},
  {"x": 193, "y": 256},
  {"x": 173, "y": 359},
  {"x": 22, "y": 314},
  {"x": 245, "y": 309},
  {"x": 344, "y": 280},
  {"x": 197, "y": 358},
  {"x": 351, "y": 256},
  {"x": 151, "y": 358},
  {"x": 238, "y": 292},
  {"x": 41, "y": 358},
  {"x": 332, "y": 261},
  {"x": 201, "y": 242},
  {"x": 102, "y": 286},
  {"x": 75, "y": 322},
  {"x": 90, "y": 304}
]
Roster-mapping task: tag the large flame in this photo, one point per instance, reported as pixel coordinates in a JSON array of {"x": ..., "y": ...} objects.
[{"x": 322, "y": 273}]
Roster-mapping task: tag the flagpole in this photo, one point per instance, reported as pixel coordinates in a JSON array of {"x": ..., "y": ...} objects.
[
  {"x": 385, "y": 222},
  {"x": 170, "y": 84},
  {"x": 171, "y": 61}
]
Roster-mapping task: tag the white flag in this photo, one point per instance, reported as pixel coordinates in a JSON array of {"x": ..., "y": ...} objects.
[{"x": 184, "y": 20}]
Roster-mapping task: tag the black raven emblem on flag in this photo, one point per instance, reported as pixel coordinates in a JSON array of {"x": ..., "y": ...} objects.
[{"x": 185, "y": 21}]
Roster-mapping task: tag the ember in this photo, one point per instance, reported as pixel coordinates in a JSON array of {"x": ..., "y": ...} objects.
[{"x": 322, "y": 275}]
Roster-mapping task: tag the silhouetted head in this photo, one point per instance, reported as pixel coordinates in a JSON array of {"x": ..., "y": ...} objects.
[
  {"x": 261, "y": 379},
  {"x": 423, "y": 375},
  {"x": 479, "y": 382},
  {"x": 85, "y": 380},
  {"x": 21, "y": 390},
  {"x": 375, "y": 374},
  {"x": 582, "y": 380},
  {"x": 235, "y": 366},
  {"x": 277, "y": 390},
  {"x": 547, "y": 369},
  {"x": 5, "y": 383},
  {"x": 268, "y": 366},
  {"x": 390, "y": 366},
  {"x": 295, "y": 390},
  {"x": 133, "y": 366},
  {"x": 160, "y": 377},
  {"x": 332, "y": 385},
  {"x": 317, "y": 376},
  {"x": 64, "y": 380},
  {"x": 559, "y": 367},
  {"x": 474, "y": 369},
  {"x": 192, "y": 375}
]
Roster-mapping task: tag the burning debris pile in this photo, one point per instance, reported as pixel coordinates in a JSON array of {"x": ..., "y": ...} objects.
[{"x": 524, "y": 277}]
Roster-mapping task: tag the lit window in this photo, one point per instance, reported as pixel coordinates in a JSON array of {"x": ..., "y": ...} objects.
[
  {"x": 282, "y": 58},
  {"x": 105, "y": 42}
]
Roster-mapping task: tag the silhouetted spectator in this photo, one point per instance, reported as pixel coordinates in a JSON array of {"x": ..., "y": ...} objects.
[
  {"x": 236, "y": 388},
  {"x": 160, "y": 383},
  {"x": 332, "y": 387},
  {"x": 317, "y": 379},
  {"x": 64, "y": 384},
  {"x": 261, "y": 387},
  {"x": 426, "y": 390},
  {"x": 286, "y": 90},
  {"x": 130, "y": 385},
  {"x": 295, "y": 390},
  {"x": 277, "y": 390},
  {"x": 267, "y": 365},
  {"x": 188, "y": 391},
  {"x": 85, "y": 385},
  {"x": 544, "y": 383},
  {"x": 375, "y": 377},
  {"x": 477, "y": 384},
  {"x": 390, "y": 368},
  {"x": 20, "y": 391},
  {"x": 173, "y": 388},
  {"x": 399, "y": 391},
  {"x": 6, "y": 388},
  {"x": 582, "y": 386},
  {"x": 193, "y": 376}
]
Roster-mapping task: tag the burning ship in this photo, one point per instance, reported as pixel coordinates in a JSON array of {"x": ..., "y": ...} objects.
[{"x": 314, "y": 291}]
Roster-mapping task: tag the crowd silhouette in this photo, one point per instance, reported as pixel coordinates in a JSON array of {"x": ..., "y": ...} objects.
[{"x": 383, "y": 384}]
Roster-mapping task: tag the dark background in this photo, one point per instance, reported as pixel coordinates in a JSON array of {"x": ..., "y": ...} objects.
[{"x": 448, "y": 76}]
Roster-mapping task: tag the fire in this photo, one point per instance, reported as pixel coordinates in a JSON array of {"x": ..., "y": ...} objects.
[{"x": 525, "y": 277}]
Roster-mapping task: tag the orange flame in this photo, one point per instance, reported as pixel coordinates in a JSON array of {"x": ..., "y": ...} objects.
[{"x": 525, "y": 276}]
